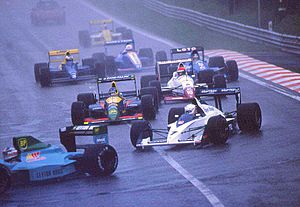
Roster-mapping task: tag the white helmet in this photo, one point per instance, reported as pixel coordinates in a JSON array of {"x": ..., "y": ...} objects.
[
  {"x": 9, "y": 153},
  {"x": 128, "y": 47},
  {"x": 190, "y": 109}
]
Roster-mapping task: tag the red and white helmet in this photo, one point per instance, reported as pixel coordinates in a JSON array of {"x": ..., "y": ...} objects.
[
  {"x": 181, "y": 70},
  {"x": 9, "y": 153}
]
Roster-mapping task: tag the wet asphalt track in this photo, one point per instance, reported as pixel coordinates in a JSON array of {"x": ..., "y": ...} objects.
[{"x": 251, "y": 170}]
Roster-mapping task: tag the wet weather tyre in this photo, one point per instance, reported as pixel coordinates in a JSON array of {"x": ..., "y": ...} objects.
[
  {"x": 110, "y": 66},
  {"x": 84, "y": 38},
  {"x": 157, "y": 85},
  {"x": 147, "y": 53},
  {"x": 45, "y": 77},
  {"x": 216, "y": 61},
  {"x": 217, "y": 130},
  {"x": 161, "y": 56},
  {"x": 152, "y": 91},
  {"x": 78, "y": 112},
  {"x": 100, "y": 70},
  {"x": 148, "y": 107},
  {"x": 100, "y": 159},
  {"x": 249, "y": 117},
  {"x": 5, "y": 179},
  {"x": 140, "y": 130},
  {"x": 232, "y": 70},
  {"x": 219, "y": 81},
  {"x": 206, "y": 76},
  {"x": 174, "y": 114},
  {"x": 86, "y": 98},
  {"x": 37, "y": 67},
  {"x": 145, "y": 80}
]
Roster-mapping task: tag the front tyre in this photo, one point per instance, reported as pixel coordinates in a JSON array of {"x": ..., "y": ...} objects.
[
  {"x": 217, "y": 130},
  {"x": 78, "y": 112},
  {"x": 140, "y": 130}
]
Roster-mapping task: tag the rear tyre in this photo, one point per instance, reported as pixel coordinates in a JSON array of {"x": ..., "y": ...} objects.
[
  {"x": 45, "y": 77},
  {"x": 127, "y": 34},
  {"x": 98, "y": 57},
  {"x": 5, "y": 179},
  {"x": 232, "y": 70},
  {"x": 84, "y": 38},
  {"x": 249, "y": 117},
  {"x": 140, "y": 130},
  {"x": 78, "y": 112},
  {"x": 37, "y": 67},
  {"x": 145, "y": 80},
  {"x": 161, "y": 56},
  {"x": 157, "y": 85},
  {"x": 148, "y": 107},
  {"x": 206, "y": 76},
  {"x": 154, "y": 93},
  {"x": 86, "y": 98},
  {"x": 174, "y": 114},
  {"x": 216, "y": 61},
  {"x": 219, "y": 81},
  {"x": 89, "y": 62},
  {"x": 100, "y": 159},
  {"x": 110, "y": 66},
  {"x": 217, "y": 130},
  {"x": 100, "y": 70}
]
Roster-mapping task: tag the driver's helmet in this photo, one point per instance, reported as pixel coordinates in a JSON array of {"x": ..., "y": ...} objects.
[
  {"x": 128, "y": 47},
  {"x": 113, "y": 91},
  {"x": 9, "y": 153},
  {"x": 181, "y": 70},
  {"x": 190, "y": 109},
  {"x": 69, "y": 57},
  {"x": 195, "y": 55}
]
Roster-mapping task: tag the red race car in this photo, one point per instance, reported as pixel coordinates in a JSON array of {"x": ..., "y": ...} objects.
[{"x": 47, "y": 11}]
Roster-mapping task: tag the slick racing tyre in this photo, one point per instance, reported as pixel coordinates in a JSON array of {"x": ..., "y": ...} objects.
[
  {"x": 161, "y": 56},
  {"x": 99, "y": 57},
  {"x": 110, "y": 66},
  {"x": 148, "y": 107},
  {"x": 216, "y": 61},
  {"x": 84, "y": 38},
  {"x": 78, "y": 112},
  {"x": 217, "y": 130},
  {"x": 153, "y": 91},
  {"x": 174, "y": 114},
  {"x": 140, "y": 130},
  {"x": 219, "y": 81},
  {"x": 37, "y": 67},
  {"x": 45, "y": 77},
  {"x": 157, "y": 85},
  {"x": 147, "y": 53},
  {"x": 100, "y": 159},
  {"x": 5, "y": 179},
  {"x": 145, "y": 80},
  {"x": 232, "y": 70},
  {"x": 249, "y": 117},
  {"x": 87, "y": 98}
]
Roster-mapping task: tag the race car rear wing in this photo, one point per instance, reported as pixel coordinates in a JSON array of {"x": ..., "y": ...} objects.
[
  {"x": 117, "y": 79},
  {"x": 68, "y": 134},
  {"x": 103, "y": 21},
  {"x": 218, "y": 93},
  {"x": 118, "y": 42},
  {"x": 63, "y": 52},
  {"x": 187, "y": 50}
]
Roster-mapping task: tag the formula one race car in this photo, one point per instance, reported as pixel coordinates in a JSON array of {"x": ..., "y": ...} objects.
[
  {"x": 33, "y": 161},
  {"x": 199, "y": 123},
  {"x": 102, "y": 31},
  {"x": 47, "y": 11},
  {"x": 214, "y": 71},
  {"x": 61, "y": 69},
  {"x": 114, "y": 106}
]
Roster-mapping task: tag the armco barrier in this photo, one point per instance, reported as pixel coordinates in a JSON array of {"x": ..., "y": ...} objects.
[{"x": 285, "y": 42}]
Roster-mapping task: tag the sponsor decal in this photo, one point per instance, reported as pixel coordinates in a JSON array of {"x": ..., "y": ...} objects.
[
  {"x": 34, "y": 156},
  {"x": 186, "y": 49},
  {"x": 23, "y": 143}
]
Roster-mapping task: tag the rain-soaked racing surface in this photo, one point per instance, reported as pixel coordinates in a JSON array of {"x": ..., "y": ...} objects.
[{"x": 250, "y": 170}]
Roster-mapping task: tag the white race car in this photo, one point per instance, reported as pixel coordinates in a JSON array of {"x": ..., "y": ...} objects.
[{"x": 208, "y": 125}]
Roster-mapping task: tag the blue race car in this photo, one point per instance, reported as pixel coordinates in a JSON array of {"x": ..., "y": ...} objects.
[
  {"x": 128, "y": 59},
  {"x": 59, "y": 69},
  {"x": 33, "y": 161},
  {"x": 214, "y": 70}
]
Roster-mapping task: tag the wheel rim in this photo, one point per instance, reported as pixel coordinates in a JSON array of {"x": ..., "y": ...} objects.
[{"x": 107, "y": 160}]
